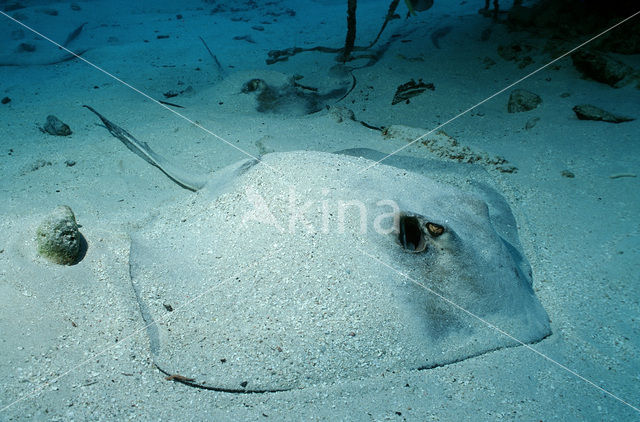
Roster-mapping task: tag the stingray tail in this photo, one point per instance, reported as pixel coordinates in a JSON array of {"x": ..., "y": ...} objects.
[{"x": 142, "y": 149}]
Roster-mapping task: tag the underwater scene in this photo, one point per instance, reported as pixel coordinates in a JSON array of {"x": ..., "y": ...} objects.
[{"x": 278, "y": 210}]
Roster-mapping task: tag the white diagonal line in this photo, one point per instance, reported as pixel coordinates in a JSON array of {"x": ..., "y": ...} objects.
[
  {"x": 504, "y": 333},
  {"x": 500, "y": 91},
  {"x": 147, "y": 96}
]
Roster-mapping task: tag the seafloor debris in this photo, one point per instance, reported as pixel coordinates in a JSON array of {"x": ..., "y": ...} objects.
[
  {"x": 36, "y": 165},
  {"x": 444, "y": 146},
  {"x": 622, "y": 175},
  {"x": 246, "y": 38},
  {"x": 411, "y": 89},
  {"x": 74, "y": 34},
  {"x": 56, "y": 127},
  {"x": 591, "y": 112},
  {"x": 522, "y": 100},
  {"x": 178, "y": 378},
  {"x": 517, "y": 52}
]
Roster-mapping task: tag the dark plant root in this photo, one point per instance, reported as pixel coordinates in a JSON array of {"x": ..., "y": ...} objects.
[
  {"x": 351, "y": 31},
  {"x": 353, "y": 86},
  {"x": 345, "y": 52},
  {"x": 194, "y": 384}
]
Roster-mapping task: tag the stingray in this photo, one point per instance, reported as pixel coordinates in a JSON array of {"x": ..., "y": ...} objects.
[
  {"x": 30, "y": 53},
  {"x": 291, "y": 98},
  {"x": 301, "y": 269}
]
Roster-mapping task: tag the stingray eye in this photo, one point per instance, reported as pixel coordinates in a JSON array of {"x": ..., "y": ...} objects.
[
  {"x": 252, "y": 85},
  {"x": 410, "y": 235},
  {"x": 434, "y": 229}
]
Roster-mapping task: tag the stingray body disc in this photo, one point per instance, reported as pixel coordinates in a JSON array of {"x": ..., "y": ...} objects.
[{"x": 279, "y": 282}]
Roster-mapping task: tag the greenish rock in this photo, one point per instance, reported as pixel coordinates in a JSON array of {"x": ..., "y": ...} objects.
[
  {"x": 602, "y": 68},
  {"x": 591, "y": 112},
  {"x": 58, "y": 237},
  {"x": 56, "y": 127}
]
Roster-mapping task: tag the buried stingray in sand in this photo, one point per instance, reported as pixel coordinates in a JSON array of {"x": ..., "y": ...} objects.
[{"x": 300, "y": 269}]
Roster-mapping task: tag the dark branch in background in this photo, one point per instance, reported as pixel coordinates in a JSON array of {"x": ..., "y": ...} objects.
[
  {"x": 390, "y": 15},
  {"x": 213, "y": 56},
  {"x": 351, "y": 31},
  {"x": 345, "y": 52}
]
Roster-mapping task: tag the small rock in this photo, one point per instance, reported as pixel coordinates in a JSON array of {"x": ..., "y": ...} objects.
[
  {"x": 26, "y": 48},
  {"x": 55, "y": 126},
  {"x": 246, "y": 38},
  {"x": 531, "y": 123},
  {"x": 567, "y": 174},
  {"x": 70, "y": 163},
  {"x": 591, "y": 112},
  {"x": 522, "y": 100},
  {"x": 188, "y": 91},
  {"x": 58, "y": 237},
  {"x": 75, "y": 7},
  {"x": 602, "y": 68},
  {"x": 5, "y": 100}
]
